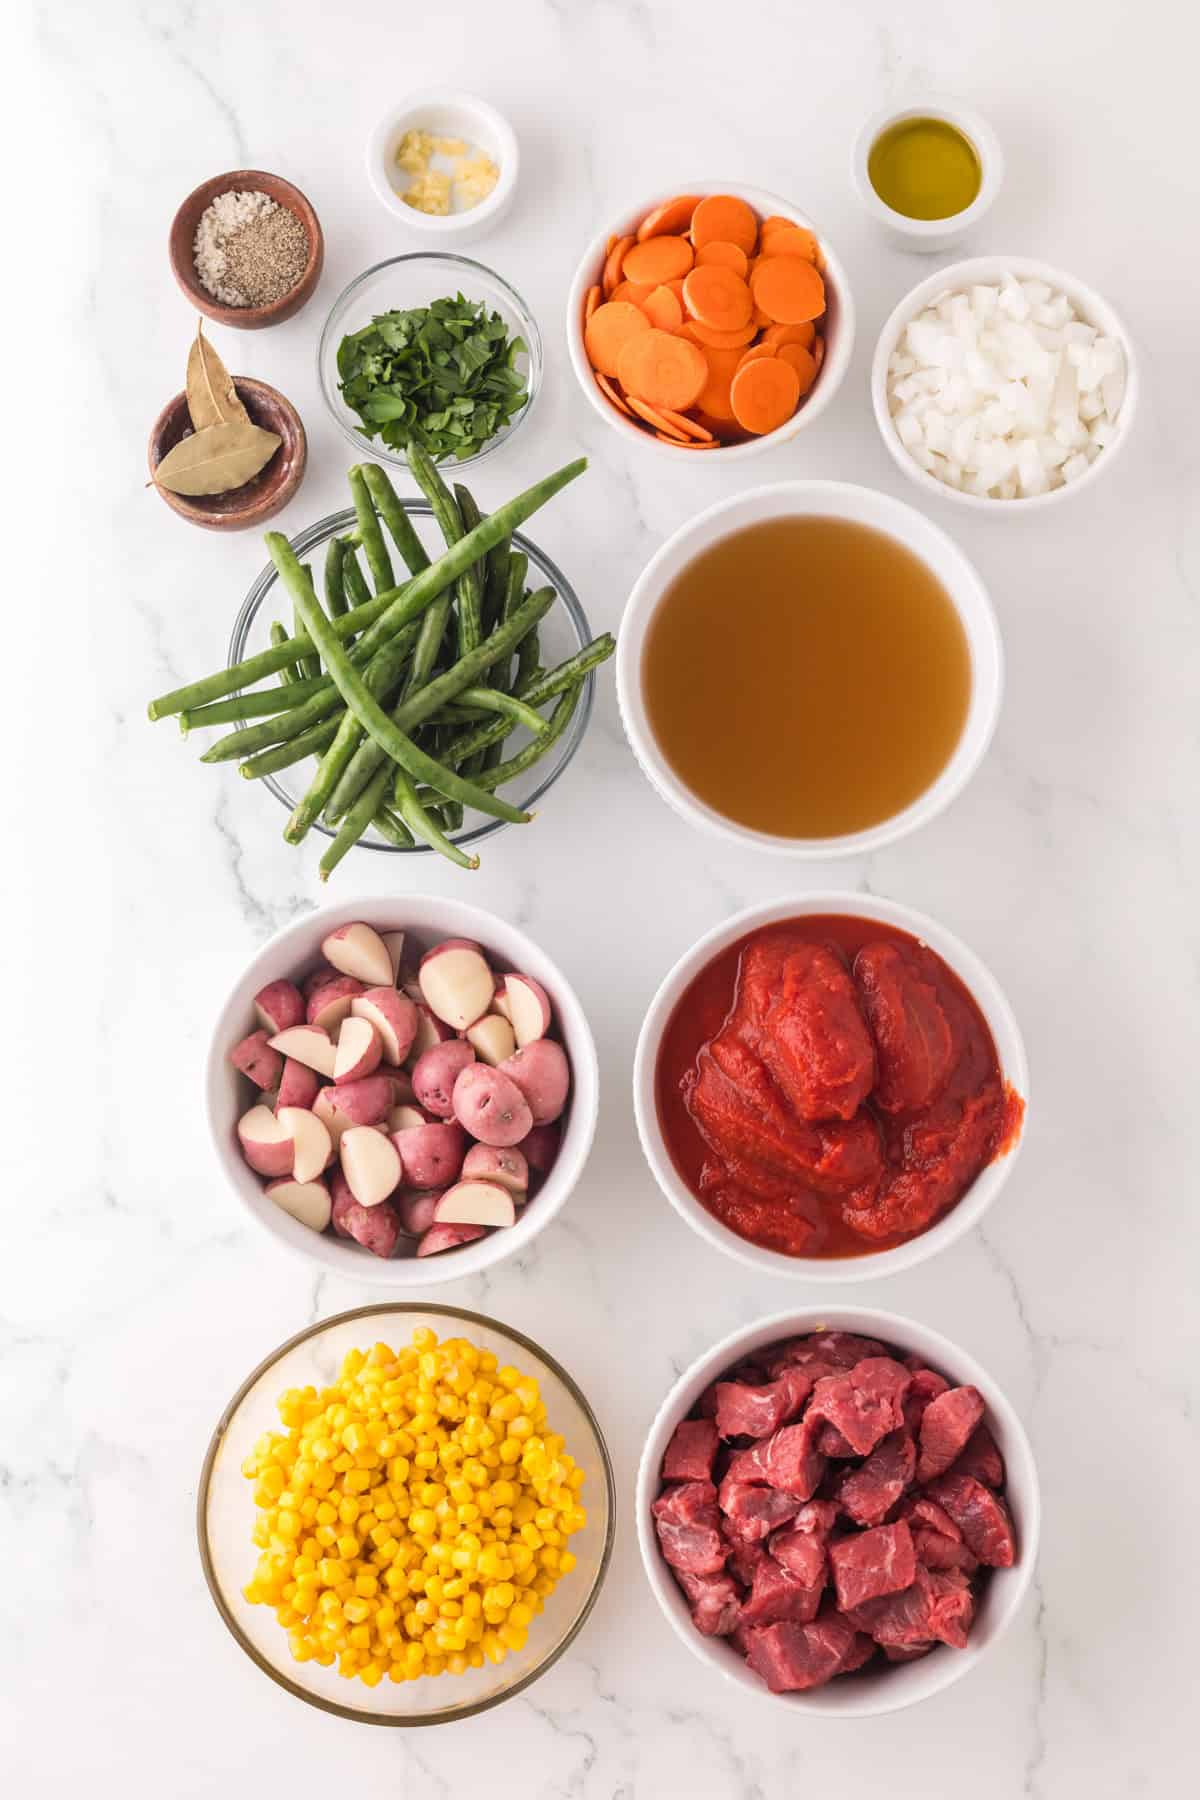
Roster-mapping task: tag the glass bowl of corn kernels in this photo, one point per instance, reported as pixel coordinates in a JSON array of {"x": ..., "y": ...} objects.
[{"x": 406, "y": 1514}]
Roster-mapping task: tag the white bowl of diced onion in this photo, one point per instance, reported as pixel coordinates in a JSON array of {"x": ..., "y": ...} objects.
[{"x": 1018, "y": 386}]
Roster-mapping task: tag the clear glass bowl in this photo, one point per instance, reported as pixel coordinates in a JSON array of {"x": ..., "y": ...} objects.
[
  {"x": 417, "y": 280},
  {"x": 563, "y": 632},
  {"x": 225, "y": 1515}
]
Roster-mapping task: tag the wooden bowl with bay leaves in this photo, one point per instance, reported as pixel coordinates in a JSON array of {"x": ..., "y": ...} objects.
[{"x": 258, "y": 499}]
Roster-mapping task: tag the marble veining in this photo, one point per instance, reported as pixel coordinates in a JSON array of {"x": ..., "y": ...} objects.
[{"x": 134, "y": 1296}]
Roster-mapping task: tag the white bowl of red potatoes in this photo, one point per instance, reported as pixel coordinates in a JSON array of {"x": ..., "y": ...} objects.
[{"x": 404, "y": 1091}]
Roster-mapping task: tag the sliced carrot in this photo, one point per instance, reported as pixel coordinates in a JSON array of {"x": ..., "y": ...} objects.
[
  {"x": 714, "y": 396},
  {"x": 611, "y": 393},
  {"x": 671, "y": 217},
  {"x": 591, "y": 303},
  {"x": 661, "y": 306},
  {"x": 818, "y": 352},
  {"x": 659, "y": 420},
  {"x": 609, "y": 329},
  {"x": 775, "y": 335},
  {"x": 611, "y": 277},
  {"x": 686, "y": 444},
  {"x": 719, "y": 298},
  {"x": 790, "y": 240},
  {"x": 722, "y": 256},
  {"x": 717, "y": 340},
  {"x": 764, "y": 394},
  {"x": 788, "y": 289},
  {"x": 687, "y": 427},
  {"x": 636, "y": 292},
  {"x": 774, "y": 219},
  {"x": 659, "y": 260},
  {"x": 802, "y": 361},
  {"x": 724, "y": 218},
  {"x": 753, "y": 354},
  {"x": 608, "y": 247},
  {"x": 662, "y": 368}
]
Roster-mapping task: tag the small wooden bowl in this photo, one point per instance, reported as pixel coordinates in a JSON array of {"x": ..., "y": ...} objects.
[
  {"x": 183, "y": 237},
  {"x": 270, "y": 490}
]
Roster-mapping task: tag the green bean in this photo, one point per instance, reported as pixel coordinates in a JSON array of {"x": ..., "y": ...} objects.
[
  {"x": 271, "y": 761},
  {"x": 470, "y": 618},
  {"x": 532, "y": 753},
  {"x": 393, "y": 829},
  {"x": 336, "y": 602},
  {"x": 391, "y": 510},
  {"x": 424, "y": 825},
  {"x": 370, "y": 715},
  {"x": 352, "y": 827},
  {"x": 527, "y": 661},
  {"x": 263, "y": 703},
  {"x": 556, "y": 682},
  {"x": 309, "y": 667},
  {"x": 518, "y": 569},
  {"x": 469, "y": 586},
  {"x": 278, "y": 636},
  {"x": 416, "y": 708},
  {"x": 497, "y": 701},
  {"x": 369, "y": 530},
  {"x": 357, "y": 589},
  {"x": 495, "y": 582}
]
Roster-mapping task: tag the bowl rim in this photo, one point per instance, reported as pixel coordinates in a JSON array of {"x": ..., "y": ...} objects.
[
  {"x": 319, "y": 533},
  {"x": 327, "y": 355},
  {"x": 833, "y": 369},
  {"x": 988, "y": 995},
  {"x": 270, "y": 503},
  {"x": 249, "y": 318},
  {"x": 891, "y": 1327},
  {"x": 451, "y": 227},
  {"x": 972, "y": 604},
  {"x": 983, "y": 141},
  {"x": 403, "y": 1275},
  {"x": 1096, "y": 311},
  {"x": 228, "y": 1412}
]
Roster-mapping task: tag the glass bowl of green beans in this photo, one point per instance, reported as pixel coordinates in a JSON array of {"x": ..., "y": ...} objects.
[
  {"x": 432, "y": 339},
  {"x": 562, "y": 633}
]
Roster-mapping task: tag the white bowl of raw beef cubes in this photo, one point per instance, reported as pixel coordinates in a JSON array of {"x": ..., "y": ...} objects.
[
  {"x": 403, "y": 1195},
  {"x": 755, "y": 1547}
]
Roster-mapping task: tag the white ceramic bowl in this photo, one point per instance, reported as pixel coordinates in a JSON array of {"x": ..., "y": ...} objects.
[
  {"x": 892, "y": 1687},
  {"x": 836, "y": 499},
  {"x": 1089, "y": 305},
  {"x": 837, "y": 325},
  {"x": 928, "y": 235},
  {"x": 295, "y": 950},
  {"x": 446, "y": 113},
  {"x": 829, "y": 1271}
]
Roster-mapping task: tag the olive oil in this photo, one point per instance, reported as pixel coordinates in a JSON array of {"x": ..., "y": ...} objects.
[
  {"x": 925, "y": 168},
  {"x": 806, "y": 677}
]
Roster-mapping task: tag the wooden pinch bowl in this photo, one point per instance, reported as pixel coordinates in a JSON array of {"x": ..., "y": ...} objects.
[
  {"x": 257, "y": 500},
  {"x": 183, "y": 237}
]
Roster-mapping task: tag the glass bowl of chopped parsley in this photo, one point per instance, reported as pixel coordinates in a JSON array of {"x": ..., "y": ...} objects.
[{"x": 432, "y": 347}]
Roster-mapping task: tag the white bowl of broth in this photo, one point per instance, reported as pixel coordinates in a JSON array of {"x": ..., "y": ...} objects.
[{"x": 811, "y": 668}]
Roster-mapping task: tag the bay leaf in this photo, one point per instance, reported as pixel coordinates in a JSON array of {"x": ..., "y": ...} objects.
[
  {"x": 211, "y": 396},
  {"x": 217, "y": 459}
]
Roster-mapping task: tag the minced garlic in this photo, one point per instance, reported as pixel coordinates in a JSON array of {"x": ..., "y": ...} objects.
[{"x": 475, "y": 174}]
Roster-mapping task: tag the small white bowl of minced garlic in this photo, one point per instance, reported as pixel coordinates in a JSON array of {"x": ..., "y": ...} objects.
[{"x": 444, "y": 164}]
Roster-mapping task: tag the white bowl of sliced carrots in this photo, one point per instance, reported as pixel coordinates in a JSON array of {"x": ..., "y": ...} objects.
[{"x": 717, "y": 320}]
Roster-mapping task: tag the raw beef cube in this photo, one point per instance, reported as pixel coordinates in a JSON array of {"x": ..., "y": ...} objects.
[
  {"x": 814, "y": 1038},
  {"x": 706, "y": 1405},
  {"x": 945, "y": 1429},
  {"x": 980, "y": 1515},
  {"x": 936, "y": 1551},
  {"x": 864, "y": 1404},
  {"x": 687, "y": 1520},
  {"x": 753, "y": 1512},
  {"x": 715, "y": 1602},
  {"x": 871, "y": 1563},
  {"x": 921, "y": 1511},
  {"x": 838, "y": 1349},
  {"x": 788, "y": 1459},
  {"x": 927, "y": 1384},
  {"x": 860, "y": 1652},
  {"x": 744, "y": 1559},
  {"x": 934, "y": 1606},
  {"x": 792, "y": 1658},
  {"x": 832, "y": 1443},
  {"x": 869, "y": 1492},
  {"x": 691, "y": 1451},
  {"x": 818, "y": 1517},
  {"x": 982, "y": 1459},
  {"x": 913, "y": 1041},
  {"x": 953, "y": 1607},
  {"x": 777, "y": 1594},
  {"x": 739, "y": 1637},
  {"x": 744, "y": 1411},
  {"x": 802, "y": 1554}
]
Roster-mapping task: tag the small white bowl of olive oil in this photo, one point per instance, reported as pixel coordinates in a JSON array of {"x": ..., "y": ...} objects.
[{"x": 927, "y": 172}]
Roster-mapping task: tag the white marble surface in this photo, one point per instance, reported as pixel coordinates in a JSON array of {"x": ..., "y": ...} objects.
[{"x": 133, "y": 1297}]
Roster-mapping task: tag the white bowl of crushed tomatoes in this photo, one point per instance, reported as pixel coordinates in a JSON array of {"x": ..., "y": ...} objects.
[
  {"x": 879, "y": 1686},
  {"x": 668, "y": 1135}
]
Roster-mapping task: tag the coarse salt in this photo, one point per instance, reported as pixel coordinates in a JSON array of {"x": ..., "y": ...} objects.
[{"x": 1001, "y": 390}]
